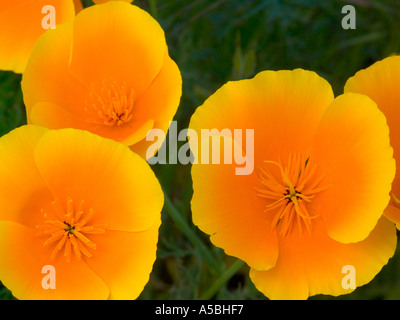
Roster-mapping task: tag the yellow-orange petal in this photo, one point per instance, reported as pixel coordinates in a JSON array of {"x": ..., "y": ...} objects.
[
  {"x": 284, "y": 114},
  {"x": 380, "y": 83},
  {"x": 54, "y": 98},
  {"x": 21, "y": 26},
  {"x": 313, "y": 264},
  {"x": 47, "y": 80},
  {"x": 55, "y": 117},
  {"x": 392, "y": 211},
  {"x": 353, "y": 150},
  {"x": 22, "y": 189},
  {"x": 226, "y": 206},
  {"x": 105, "y": 86},
  {"x": 160, "y": 101},
  {"x": 124, "y": 260},
  {"x": 117, "y": 184},
  {"x": 283, "y": 107},
  {"x": 22, "y": 258},
  {"x": 108, "y": 45}
]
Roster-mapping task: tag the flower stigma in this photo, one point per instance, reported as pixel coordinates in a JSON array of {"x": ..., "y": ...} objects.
[
  {"x": 290, "y": 193},
  {"x": 69, "y": 230},
  {"x": 112, "y": 105}
]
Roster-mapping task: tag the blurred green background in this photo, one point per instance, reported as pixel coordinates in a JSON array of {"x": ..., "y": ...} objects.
[{"x": 214, "y": 41}]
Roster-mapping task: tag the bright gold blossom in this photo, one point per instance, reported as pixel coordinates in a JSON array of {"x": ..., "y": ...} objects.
[
  {"x": 323, "y": 169},
  {"x": 107, "y": 72},
  {"x": 83, "y": 204}
]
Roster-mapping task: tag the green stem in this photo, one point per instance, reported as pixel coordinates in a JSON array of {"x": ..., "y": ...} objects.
[
  {"x": 192, "y": 237},
  {"x": 153, "y": 8},
  {"x": 235, "y": 267}
]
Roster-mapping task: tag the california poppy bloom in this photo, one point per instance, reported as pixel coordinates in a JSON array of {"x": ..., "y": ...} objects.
[
  {"x": 21, "y": 26},
  {"x": 108, "y": 72},
  {"x": 380, "y": 83},
  {"x": 85, "y": 205},
  {"x": 323, "y": 168}
]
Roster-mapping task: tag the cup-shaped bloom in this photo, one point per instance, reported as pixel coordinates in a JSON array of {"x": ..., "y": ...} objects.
[
  {"x": 380, "y": 83},
  {"x": 85, "y": 206},
  {"x": 313, "y": 204},
  {"x": 107, "y": 72},
  {"x": 21, "y": 24}
]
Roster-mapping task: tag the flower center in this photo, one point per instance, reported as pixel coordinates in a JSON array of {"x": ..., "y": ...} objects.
[
  {"x": 290, "y": 193},
  {"x": 111, "y": 105},
  {"x": 69, "y": 230}
]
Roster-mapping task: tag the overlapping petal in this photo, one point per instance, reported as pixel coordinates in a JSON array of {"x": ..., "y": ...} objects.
[
  {"x": 352, "y": 147},
  {"x": 380, "y": 83}
]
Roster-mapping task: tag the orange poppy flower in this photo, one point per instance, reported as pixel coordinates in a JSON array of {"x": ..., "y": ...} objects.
[
  {"x": 21, "y": 26},
  {"x": 321, "y": 180},
  {"x": 85, "y": 205},
  {"x": 108, "y": 72},
  {"x": 380, "y": 83}
]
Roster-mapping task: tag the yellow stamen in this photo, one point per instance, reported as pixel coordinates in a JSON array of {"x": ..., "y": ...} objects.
[
  {"x": 112, "y": 105},
  {"x": 291, "y": 193},
  {"x": 69, "y": 230}
]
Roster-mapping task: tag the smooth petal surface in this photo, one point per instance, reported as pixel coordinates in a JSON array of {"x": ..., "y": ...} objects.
[
  {"x": 104, "y": 174},
  {"x": 109, "y": 44},
  {"x": 22, "y": 258},
  {"x": 22, "y": 189},
  {"x": 163, "y": 95},
  {"x": 226, "y": 206},
  {"x": 21, "y": 26},
  {"x": 278, "y": 105},
  {"x": 314, "y": 265},
  {"x": 353, "y": 150},
  {"x": 380, "y": 83},
  {"x": 47, "y": 80},
  {"x": 124, "y": 260},
  {"x": 54, "y": 117}
]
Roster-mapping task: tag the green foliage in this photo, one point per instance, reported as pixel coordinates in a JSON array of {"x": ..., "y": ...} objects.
[
  {"x": 214, "y": 41},
  {"x": 12, "y": 110}
]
